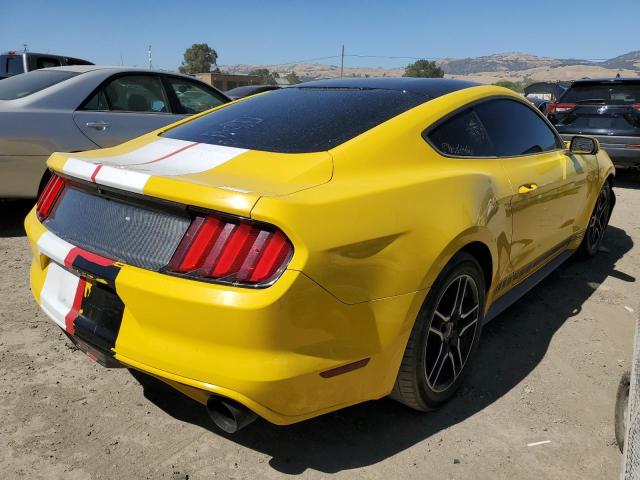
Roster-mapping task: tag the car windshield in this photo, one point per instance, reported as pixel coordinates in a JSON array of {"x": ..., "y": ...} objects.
[
  {"x": 609, "y": 93},
  {"x": 298, "y": 120},
  {"x": 20, "y": 86}
]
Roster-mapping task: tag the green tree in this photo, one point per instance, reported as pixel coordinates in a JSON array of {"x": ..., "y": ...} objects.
[
  {"x": 198, "y": 59},
  {"x": 293, "y": 78},
  {"x": 268, "y": 78},
  {"x": 423, "y": 68},
  {"x": 515, "y": 86}
]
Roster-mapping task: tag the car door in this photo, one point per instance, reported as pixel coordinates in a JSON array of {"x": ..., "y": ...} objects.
[
  {"x": 549, "y": 186},
  {"x": 124, "y": 107}
]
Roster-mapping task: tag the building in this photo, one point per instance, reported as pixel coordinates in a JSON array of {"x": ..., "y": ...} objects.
[{"x": 227, "y": 81}]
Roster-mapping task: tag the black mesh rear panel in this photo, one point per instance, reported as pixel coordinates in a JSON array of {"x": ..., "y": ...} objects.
[{"x": 127, "y": 233}]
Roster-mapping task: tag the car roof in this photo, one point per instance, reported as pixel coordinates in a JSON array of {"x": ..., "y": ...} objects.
[
  {"x": 112, "y": 69},
  {"x": 587, "y": 81},
  {"x": 431, "y": 87},
  {"x": 248, "y": 88}
]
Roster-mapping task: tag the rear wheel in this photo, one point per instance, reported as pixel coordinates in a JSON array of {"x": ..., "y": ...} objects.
[
  {"x": 444, "y": 337},
  {"x": 597, "y": 223}
]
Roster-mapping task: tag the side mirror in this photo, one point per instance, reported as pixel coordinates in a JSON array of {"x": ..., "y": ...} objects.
[{"x": 584, "y": 145}]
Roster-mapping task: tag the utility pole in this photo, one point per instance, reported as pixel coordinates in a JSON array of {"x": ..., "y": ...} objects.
[
  {"x": 342, "y": 61},
  {"x": 150, "y": 63}
]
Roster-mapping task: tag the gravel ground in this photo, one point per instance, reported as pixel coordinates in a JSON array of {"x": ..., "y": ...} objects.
[{"x": 547, "y": 370}]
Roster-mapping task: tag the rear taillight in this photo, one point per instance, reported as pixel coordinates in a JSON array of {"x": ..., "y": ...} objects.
[
  {"x": 636, "y": 106},
  {"x": 49, "y": 196},
  {"x": 231, "y": 250},
  {"x": 554, "y": 108}
]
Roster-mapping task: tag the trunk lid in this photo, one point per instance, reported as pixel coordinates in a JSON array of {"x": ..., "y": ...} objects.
[
  {"x": 599, "y": 107},
  {"x": 600, "y": 119},
  {"x": 209, "y": 176}
]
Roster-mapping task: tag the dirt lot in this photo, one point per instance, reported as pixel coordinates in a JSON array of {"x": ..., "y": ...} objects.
[{"x": 547, "y": 370}]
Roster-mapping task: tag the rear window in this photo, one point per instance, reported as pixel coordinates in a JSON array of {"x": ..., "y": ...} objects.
[
  {"x": 11, "y": 64},
  {"x": 298, "y": 120},
  {"x": 22, "y": 85},
  {"x": 606, "y": 93}
]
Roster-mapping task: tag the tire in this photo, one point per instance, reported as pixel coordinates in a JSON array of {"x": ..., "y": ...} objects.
[
  {"x": 441, "y": 346},
  {"x": 622, "y": 405},
  {"x": 597, "y": 223}
]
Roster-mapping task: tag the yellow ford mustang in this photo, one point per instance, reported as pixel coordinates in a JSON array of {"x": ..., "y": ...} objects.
[{"x": 314, "y": 247}]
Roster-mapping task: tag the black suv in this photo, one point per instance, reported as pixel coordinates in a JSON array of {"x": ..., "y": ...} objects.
[{"x": 608, "y": 109}]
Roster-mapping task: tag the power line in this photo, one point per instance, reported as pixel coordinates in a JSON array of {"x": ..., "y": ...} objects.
[{"x": 307, "y": 60}]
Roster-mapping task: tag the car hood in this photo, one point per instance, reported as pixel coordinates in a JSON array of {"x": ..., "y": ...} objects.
[{"x": 210, "y": 176}]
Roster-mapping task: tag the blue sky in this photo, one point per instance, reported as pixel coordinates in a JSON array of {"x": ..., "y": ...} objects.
[{"x": 271, "y": 32}]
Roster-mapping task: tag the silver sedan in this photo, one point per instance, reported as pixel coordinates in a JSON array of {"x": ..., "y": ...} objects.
[{"x": 85, "y": 107}]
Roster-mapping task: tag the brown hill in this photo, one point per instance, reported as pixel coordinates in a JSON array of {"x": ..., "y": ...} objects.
[{"x": 515, "y": 66}]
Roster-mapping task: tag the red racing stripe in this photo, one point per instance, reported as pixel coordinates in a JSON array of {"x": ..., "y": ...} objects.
[
  {"x": 75, "y": 309},
  {"x": 95, "y": 172},
  {"x": 167, "y": 155},
  {"x": 76, "y": 252}
]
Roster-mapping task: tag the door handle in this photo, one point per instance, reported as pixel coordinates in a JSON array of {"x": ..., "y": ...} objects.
[
  {"x": 98, "y": 125},
  {"x": 527, "y": 188}
]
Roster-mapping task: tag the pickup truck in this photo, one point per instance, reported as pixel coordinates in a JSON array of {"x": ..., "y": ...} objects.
[{"x": 13, "y": 63}]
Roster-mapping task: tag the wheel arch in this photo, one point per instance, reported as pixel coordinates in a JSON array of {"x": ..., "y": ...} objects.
[
  {"x": 476, "y": 242},
  {"x": 482, "y": 254}
]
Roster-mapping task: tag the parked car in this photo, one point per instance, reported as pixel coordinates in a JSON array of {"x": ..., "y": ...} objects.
[
  {"x": 287, "y": 265},
  {"x": 82, "y": 108},
  {"x": 540, "y": 103},
  {"x": 608, "y": 109},
  {"x": 546, "y": 90},
  {"x": 248, "y": 90},
  {"x": 14, "y": 63}
]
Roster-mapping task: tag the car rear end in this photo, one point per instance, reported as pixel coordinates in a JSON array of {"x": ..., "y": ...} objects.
[
  {"x": 606, "y": 109},
  {"x": 171, "y": 275},
  {"x": 214, "y": 254}
]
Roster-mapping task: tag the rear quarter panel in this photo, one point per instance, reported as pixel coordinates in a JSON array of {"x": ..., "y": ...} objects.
[{"x": 396, "y": 211}]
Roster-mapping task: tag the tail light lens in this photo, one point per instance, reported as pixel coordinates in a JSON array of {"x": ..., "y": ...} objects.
[
  {"x": 232, "y": 251},
  {"x": 49, "y": 196},
  {"x": 553, "y": 108},
  {"x": 636, "y": 106}
]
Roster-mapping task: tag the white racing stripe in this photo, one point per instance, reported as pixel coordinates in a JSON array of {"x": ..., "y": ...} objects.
[
  {"x": 165, "y": 156},
  {"x": 124, "y": 179},
  {"x": 59, "y": 288},
  {"x": 54, "y": 247},
  {"x": 58, "y": 293}
]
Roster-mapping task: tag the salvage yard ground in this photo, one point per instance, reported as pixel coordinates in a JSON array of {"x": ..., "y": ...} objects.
[{"x": 546, "y": 374}]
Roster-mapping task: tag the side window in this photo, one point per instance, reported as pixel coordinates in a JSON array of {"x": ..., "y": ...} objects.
[
  {"x": 462, "y": 135},
  {"x": 47, "y": 62},
  {"x": 192, "y": 97},
  {"x": 515, "y": 129},
  {"x": 130, "y": 93},
  {"x": 98, "y": 102}
]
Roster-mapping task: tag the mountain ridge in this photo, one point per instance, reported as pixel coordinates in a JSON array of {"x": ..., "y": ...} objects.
[{"x": 514, "y": 66}]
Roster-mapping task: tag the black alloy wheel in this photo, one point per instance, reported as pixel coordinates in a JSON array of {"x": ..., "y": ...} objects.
[
  {"x": 444, "y": 337},
  {"x": 452, "y": 333},
  {"x": 597, "y": 223}
]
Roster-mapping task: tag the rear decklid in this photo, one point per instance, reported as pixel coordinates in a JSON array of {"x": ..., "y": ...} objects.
[
  {"x": 210, "y": 176},
  {"x": 599, "y": 107}
]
